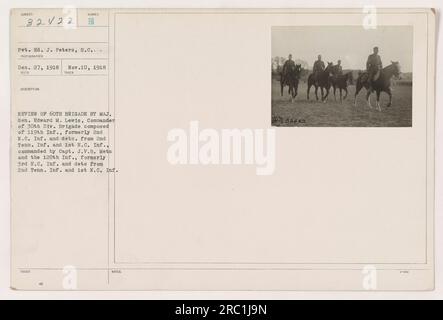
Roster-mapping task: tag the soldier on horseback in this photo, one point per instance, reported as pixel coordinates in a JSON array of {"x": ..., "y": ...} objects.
[
  {"x": 373, "y": 66},
  {"x": 289, "y": 65},
  {"x": 377, "y": 79},
  {"x": 318, "y": 67},
  {"x": 289, "y": 76},
  {"x": 338, "y": 68}
]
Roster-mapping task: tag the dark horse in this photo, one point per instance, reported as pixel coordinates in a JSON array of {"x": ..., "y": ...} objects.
[
  {"x": 382, "y": 84},
  {"x": 322, "y": 81},
  {"x": 341, "y": 81},
  {"x": 290, "y": 78}
]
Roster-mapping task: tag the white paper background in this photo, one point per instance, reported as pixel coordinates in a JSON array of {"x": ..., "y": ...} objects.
[{"x": 6, "y": 293}]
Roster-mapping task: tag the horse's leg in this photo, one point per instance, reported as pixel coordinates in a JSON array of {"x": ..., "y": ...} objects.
[
  {"x": 346, "y": 93},
  {"x": 378, "y": 100},
  {"x": 316, "y": 92},
  {"x": 341, "y": 95},
  {"x": 389, "y": 92},
  {"x": 309, "y": 88},
  {"x": 368, "y": 98},
  {"x": 327, "y": 88},
  {"x": 358, "y": 87},
  {"x": 335, "y": 98},
  {"x": 281, "y": 88}
]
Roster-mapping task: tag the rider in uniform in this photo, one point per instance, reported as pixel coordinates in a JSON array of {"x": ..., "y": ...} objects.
[
  {"x": 288, "y": 65},
  {"x": 318, "y": 67},
  {"x": 338, "y": 68},
  {"x": 373, "y": 66}
]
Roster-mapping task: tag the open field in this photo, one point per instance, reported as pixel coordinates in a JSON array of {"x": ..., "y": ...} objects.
[{"x": 312, "y": 113}]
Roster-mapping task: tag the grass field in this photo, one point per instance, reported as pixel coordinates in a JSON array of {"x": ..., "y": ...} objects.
[{"x": 312, "y": 113}]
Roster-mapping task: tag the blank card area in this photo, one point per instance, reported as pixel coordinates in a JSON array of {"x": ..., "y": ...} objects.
[{"x": 338, "y": 195}]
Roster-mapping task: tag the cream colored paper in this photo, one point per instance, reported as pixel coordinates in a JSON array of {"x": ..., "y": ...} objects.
[{"x": 345, "y": 208}]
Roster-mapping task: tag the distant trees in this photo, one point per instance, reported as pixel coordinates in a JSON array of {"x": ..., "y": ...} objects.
[{"x": 277, "y": 63}]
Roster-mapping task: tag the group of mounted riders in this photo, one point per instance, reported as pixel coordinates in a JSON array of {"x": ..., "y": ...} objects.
[{"x": 375, "y": 79}]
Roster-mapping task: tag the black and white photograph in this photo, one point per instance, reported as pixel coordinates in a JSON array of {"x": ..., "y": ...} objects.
[{"x": 334, "y": 76}]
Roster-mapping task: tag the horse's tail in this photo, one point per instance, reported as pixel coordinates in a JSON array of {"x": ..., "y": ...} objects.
[
  {"x": 310, "y": 81},
  {"x": 359, "y": 84}
]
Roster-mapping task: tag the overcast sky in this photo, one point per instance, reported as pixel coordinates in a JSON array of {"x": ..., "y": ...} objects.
[{"x": 351, "y": 44}]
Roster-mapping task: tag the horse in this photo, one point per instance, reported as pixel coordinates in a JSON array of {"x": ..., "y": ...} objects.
[
  {"x": 382, "y": 84},
  {"x": 322, "y": 81},
  {"x": 290, "y": 78},
  {"x": 341, "y": 81}
]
